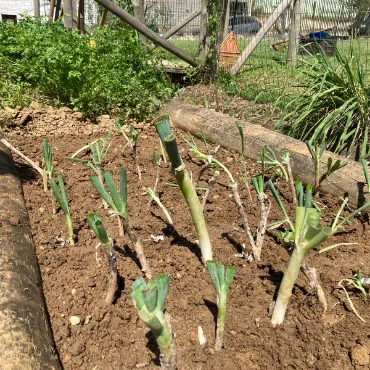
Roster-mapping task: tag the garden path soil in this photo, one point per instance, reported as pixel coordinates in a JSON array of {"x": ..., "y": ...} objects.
[{"x": 114, "y": 337}]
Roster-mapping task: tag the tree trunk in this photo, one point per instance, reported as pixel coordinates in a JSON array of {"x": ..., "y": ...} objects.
[
  {"x": 36, "y": 8},
  {"x": 139, "y": 15},
  {"x": 26, "y": 340},
  {"x": 81, "y": 17},
  {"x": 68, "y": 12},
  {"x": 51, "y": 10}
]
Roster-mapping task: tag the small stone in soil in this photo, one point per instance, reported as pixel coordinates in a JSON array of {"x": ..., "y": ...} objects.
[{"x": 74, "y": 320}]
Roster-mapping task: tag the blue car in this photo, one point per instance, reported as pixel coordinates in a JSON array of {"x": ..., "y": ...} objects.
[{"x": 244, "y": 24}]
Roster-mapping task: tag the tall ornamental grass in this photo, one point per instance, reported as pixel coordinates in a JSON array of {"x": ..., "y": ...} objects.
[
  {"x": 333, "y": 106},
  {"x": 112, "y": 74}
]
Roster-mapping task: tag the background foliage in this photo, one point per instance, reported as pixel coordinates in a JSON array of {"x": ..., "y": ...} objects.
[{"x": 113, "y": 74}]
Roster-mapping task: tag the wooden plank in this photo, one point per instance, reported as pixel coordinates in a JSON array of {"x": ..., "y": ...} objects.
[
  {"x": 26, "y": 339},
  {"x": 221, "y": 129},
  {"x": 138, "y": 26},
  {"x": 259, "y": 36}
]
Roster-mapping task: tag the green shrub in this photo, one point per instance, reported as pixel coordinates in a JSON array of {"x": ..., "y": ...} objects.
[
  {"x": 115, "y": 76},
  {"x": 333, "y": 106}
]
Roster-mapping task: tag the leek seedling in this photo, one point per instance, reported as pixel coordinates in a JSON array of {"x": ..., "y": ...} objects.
[
  {"x": 285, "y": 156},
  {"x": 365, "y": 167},
  {"x": 222, "y": 283},
  {"x": 160, "y": 204},
  {"x": 149, "y": 299},
  {"x": 61, "y": 197},
  {"x": 132, "y": 143},
  {"x": 269, "y": 161},
  {"x": 211, "y": 183},
  {"x": 98, "y": 150},
  {"x": 233, "y": 186},
  {"x": 245, "y": 176},
  {"x": 98, "y": 228},
  {"x": 118, "y": 203},
  {"x": 316, "y": 152},
  {"x": 306, "y": 234},
  {"x": 265, "y": 207},
  {"x": 184, "y": 182},
  {"x": 48, "y": 170}
]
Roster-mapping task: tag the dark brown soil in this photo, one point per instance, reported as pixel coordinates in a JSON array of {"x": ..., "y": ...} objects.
[{"x": 115, "y": 338}]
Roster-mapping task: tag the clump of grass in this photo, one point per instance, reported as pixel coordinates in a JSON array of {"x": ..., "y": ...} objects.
[{"x": 333, "y": 106}]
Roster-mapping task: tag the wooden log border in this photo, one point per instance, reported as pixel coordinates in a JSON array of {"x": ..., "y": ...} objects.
[
  {"x": 26, "y": 340},
  {"x": 221, "y": 129}
]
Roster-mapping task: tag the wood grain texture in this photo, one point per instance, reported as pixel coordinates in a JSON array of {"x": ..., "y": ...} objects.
[
  {"x": 25, "y": 336},
  {"x": 221, "y": 129}
]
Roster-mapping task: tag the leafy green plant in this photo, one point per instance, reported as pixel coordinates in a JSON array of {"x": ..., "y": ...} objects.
[
  {"x": 185, "y": 184},
  {"x": 306, "y": 233},
  {"x": 106, "y": 242},
  {"x": 117, "y": 201},
  {"x": 333, "y": 107},
  {"x": 61, "y": 197},
  {"x": 316, "y": 152},
  {"x": 116, "y": 76},
  {"x": 149, "y": 299},
  {"x": 222, "y": 283}
]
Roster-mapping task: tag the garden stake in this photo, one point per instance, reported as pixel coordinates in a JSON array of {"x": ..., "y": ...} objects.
[
  {"x": 149, "y": 299},
  {"x": 98, "y": 228},
  {"x": 222, "y": 283},
  {"x": 186, "y": 186},
  {"x": 118, "y": 203}
]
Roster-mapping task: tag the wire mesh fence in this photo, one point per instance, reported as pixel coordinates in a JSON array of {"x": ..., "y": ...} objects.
[{"x": 344, "y": 24}]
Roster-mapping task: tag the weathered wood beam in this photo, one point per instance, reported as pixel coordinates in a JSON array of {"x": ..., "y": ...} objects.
[
  {"x": 138, "y": 26},
  {"x": 25, "y": 336},
  {"x": 178, "y": 26},
  {"x": 222, "y": 129},
  {"x": 259, "y": 36}
]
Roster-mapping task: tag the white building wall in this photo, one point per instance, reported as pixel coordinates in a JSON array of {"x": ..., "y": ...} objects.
[{"x": 25, "y": 7}]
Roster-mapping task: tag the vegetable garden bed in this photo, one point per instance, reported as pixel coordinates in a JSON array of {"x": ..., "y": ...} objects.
[{"x": 113, "y": 337}]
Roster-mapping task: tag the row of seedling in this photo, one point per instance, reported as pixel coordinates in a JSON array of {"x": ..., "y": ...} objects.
[{"x": 303, "y": 234}]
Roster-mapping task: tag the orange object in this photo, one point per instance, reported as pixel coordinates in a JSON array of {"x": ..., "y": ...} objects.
[{"x": 229, "y": 51}]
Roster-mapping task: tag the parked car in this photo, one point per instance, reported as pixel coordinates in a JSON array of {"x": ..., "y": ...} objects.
[
  {"x": 244, "y": 24},
  {"x": 240, "y": 24}
]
